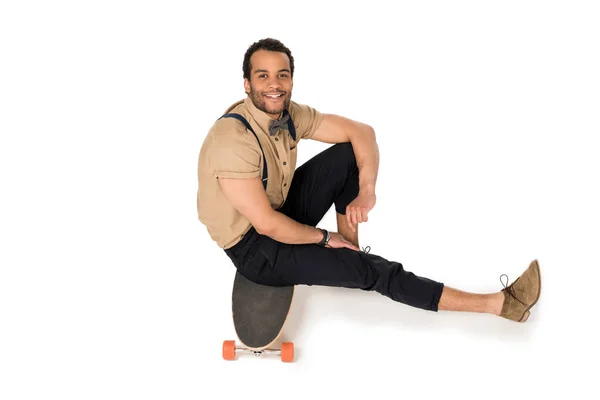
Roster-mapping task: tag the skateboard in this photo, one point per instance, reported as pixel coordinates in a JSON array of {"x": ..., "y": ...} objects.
[{"x": 259, "y": 314}]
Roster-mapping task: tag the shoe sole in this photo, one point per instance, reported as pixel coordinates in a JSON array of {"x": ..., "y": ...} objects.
[{"x": 527, "y": 313}]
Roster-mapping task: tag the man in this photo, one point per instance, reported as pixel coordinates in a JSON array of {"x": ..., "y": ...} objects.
[{"x": 264, "y": 213}]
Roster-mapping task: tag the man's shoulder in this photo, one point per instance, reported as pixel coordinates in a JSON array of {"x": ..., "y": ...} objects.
[
  {"x": 300, "y": 110},
  {"x": 230, "y": 126},
  {"x": 306, "y": 119},
  {"x": 238, "y": 107},
  {"x": 295, "y": 106}
]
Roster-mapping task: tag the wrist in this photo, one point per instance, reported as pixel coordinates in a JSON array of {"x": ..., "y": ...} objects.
[
  {"x": 326, "y": 237},
  {"x": 367, "y": 189}
]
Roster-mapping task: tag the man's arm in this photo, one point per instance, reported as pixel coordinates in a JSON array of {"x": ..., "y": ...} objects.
[
  {"x": 337, "y": 129},
  {"x": 249, "y": 198}
]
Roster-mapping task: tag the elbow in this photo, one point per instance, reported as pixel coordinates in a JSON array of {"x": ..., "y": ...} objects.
[
  {"x": 367, "y": 130},
  {"x": 265, "y": 225},
  {"x": 262, "y": 229}
]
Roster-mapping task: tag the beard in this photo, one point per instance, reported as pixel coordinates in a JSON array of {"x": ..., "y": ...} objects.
[{"x": 259, "y": 101}]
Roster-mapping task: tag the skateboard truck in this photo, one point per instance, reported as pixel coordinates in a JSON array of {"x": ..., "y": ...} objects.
[{"x": 286, "y": 352}]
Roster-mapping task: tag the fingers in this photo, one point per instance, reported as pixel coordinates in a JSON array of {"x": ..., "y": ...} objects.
[
  {"x": 351, "y": 217},
  {"x": 354, "y": 216},
  {"x": 338, "y": 241},
  {"x": 349, "y": 220},
  {"x": 350, "y": 246},
  {"x": 362, "y": 215}
]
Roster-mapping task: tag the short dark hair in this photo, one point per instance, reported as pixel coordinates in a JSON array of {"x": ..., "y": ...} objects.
[{"x": 270, "y": 45}]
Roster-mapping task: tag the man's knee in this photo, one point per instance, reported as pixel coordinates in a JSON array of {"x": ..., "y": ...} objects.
[
  {"x": 345, "y": 151},
  {"x": 385, "y": 276}
]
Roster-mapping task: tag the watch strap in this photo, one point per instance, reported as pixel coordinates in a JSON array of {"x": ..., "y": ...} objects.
[{"x": 326, "y": 237}]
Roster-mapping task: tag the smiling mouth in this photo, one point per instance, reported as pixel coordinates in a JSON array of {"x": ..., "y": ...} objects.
[{"x": 274, "y": 95}]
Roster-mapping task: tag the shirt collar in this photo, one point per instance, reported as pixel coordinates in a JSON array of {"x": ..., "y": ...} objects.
[{"x": 263, "y": 119}]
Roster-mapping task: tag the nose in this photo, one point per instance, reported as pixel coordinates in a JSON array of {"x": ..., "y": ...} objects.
[{"x": 274, "y": 83}]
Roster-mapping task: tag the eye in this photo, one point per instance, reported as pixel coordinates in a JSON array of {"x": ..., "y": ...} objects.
[
  {"x": 262, "y": 76},
  {"x": 283, "y": 75}
]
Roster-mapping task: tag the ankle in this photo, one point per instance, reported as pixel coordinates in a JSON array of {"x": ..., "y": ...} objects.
[{"x": 496, "y": 303}]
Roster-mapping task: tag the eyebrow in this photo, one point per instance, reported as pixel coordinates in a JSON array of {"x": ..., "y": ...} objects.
[{"x": 264, "y": 70}]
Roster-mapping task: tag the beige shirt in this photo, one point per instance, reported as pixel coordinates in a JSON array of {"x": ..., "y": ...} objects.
[{"x": 231, "y": 151}]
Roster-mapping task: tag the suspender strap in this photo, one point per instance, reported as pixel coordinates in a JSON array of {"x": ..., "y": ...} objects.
[
  {"x": 291, "y": 127},
  {"x": 265, "y": 174}
]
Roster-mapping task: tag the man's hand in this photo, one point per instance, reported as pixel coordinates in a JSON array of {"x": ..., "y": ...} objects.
[
  {"x": 337, "y": 241},
  {"x": 358, "y": 210}
]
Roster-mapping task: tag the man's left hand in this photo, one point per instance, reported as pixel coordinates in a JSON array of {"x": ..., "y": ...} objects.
[{"x": 358, "y": 210}]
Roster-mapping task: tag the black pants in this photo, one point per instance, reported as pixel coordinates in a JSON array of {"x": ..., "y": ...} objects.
[{"x": 331, "y": 177}]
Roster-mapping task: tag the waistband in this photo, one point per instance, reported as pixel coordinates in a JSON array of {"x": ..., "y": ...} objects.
[{"x": 238, "y": 250}]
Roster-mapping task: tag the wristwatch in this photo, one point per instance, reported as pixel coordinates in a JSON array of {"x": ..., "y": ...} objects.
[{"x": 326, "y": 237}]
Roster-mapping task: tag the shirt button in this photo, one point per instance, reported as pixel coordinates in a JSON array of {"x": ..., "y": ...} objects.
[
  {"x": 277, "y": 139},
  {"x": 284, "y": 163},
  {"x": 285, "y": 184}
]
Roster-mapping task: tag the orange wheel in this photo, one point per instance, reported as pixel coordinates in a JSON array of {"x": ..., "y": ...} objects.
[
  {"x": 287, "y": 351},
  {"x": 229, "y": 349}
]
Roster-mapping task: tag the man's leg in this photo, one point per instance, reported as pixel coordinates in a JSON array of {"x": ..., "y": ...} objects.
[
  {"x": 458, "y": 300},
  {"x": 513, "y": 302},
  {"x": 345, "y": 230},
  {"x": 329, "y": 178}
]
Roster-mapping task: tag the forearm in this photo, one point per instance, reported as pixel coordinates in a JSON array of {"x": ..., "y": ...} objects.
[
  {"x": 283, "y": 229},
  {"x": 366, "y": 153}
]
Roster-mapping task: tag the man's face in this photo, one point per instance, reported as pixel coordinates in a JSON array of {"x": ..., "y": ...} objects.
[{"x": 270, "y": 84}]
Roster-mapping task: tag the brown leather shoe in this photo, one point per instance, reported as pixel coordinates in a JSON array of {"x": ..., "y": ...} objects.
[{"x": 522, "y": 294}]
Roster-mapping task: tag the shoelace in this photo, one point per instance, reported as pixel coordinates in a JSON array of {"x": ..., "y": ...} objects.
[{"x": 509, "y": 289}]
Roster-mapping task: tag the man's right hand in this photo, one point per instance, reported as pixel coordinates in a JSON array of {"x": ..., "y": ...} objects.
[{"x": 337, "y": 241}]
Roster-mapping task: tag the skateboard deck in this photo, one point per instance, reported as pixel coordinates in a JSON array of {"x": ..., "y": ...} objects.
[{"x": 259, "y": 314}]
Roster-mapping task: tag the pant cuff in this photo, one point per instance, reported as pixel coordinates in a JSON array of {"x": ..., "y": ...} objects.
[{"x": 437, "y": 295}]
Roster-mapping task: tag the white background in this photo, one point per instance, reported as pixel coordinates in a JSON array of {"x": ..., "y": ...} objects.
[{"x": 487, "y": 119}]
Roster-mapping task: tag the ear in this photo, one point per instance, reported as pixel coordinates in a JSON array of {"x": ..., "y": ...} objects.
[{"x": 247, "y": 86}]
